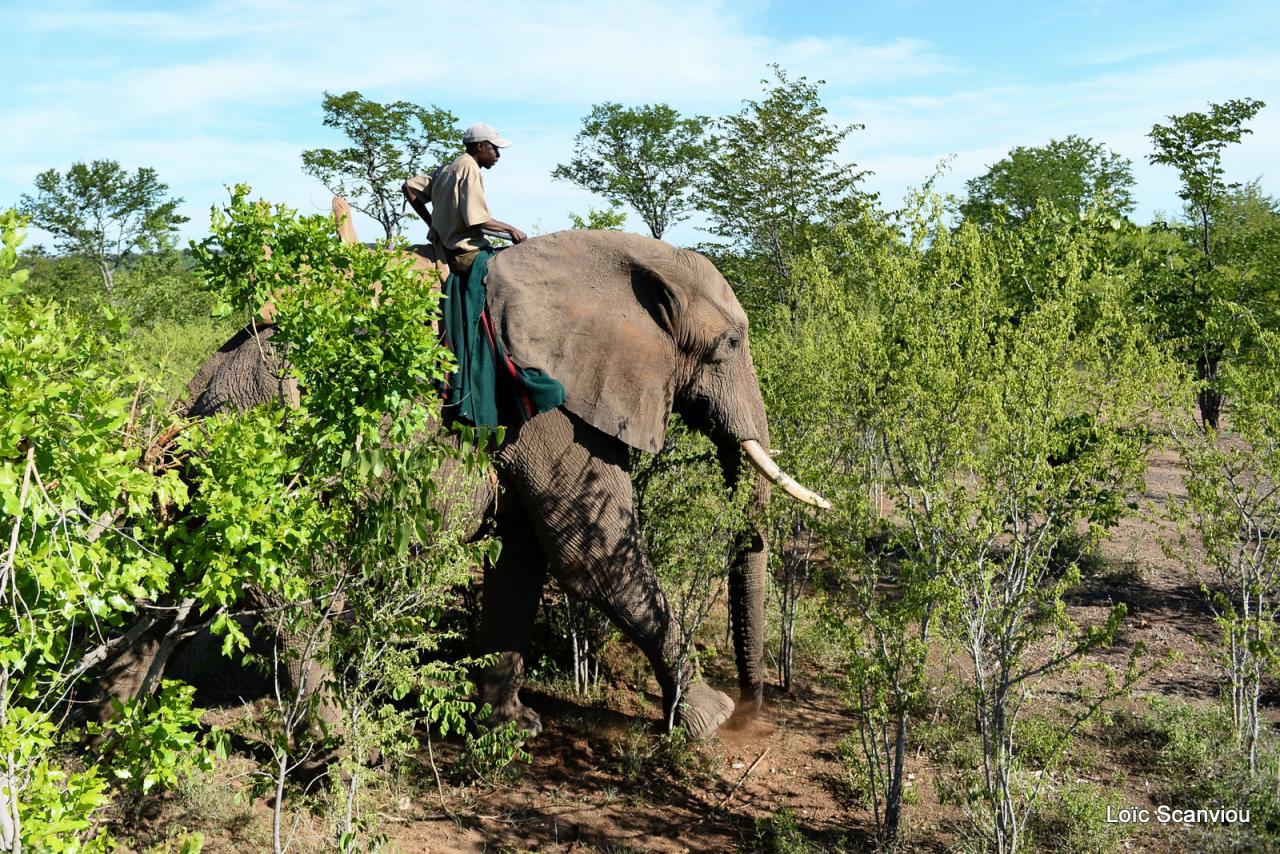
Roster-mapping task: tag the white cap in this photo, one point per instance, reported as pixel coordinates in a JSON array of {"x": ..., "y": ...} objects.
[{"x": 484, "y": 133}]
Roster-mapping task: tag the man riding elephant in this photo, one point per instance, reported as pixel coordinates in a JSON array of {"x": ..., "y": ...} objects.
[
  {"x": 487, "y": 389},
  {"x": 459, "y": 216}
]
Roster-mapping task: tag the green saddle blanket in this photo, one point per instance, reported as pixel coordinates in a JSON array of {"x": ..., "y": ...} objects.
[{"x": 487, "y": 389}]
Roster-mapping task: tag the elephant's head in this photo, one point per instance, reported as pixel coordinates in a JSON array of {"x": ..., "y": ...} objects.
[{"x": 636, "y": 329}]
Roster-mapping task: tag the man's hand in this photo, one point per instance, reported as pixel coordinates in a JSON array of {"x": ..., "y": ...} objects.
[{"x": 517, "y": 236}]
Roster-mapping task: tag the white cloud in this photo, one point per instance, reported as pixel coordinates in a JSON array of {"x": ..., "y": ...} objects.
[
  {"x": 229, "y": 91},
  {"x": 1117, "y": 55},
  {"x": 195, "y": 23},
  {"x": 905, "y": 136},
  {"x": 549, "y": 53}
]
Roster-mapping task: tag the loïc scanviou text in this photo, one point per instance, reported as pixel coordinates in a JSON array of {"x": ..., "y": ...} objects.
[{"x": 1165, "y": 814}]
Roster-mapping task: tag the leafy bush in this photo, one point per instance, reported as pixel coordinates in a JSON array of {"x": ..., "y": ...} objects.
[
  {"x": 1072, "y": 819},
  {"x": 490, "y": 755},
  {"x": 642, "y": 756},
  {"x": 342, "y": 503},
  {"x": 1233, "y": 508},
  {"x": 165, "y": 305},
  {"x": 156, "y": 738},
  {"x": 70, "y": 584},
  {"x": 1197, "y": 759},
  {"x": 338, "y": 501},
  {"x": 781, "y": 833}
]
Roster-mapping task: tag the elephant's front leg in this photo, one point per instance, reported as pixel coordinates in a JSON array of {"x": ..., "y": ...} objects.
[
  {"x": 574, "y": 484},
  {"x": 512, "y": 588}
]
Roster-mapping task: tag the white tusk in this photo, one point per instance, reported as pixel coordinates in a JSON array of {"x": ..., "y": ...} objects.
[{"x": 761, "y": 460}]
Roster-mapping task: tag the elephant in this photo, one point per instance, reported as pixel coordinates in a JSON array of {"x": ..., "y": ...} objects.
[{"x": 635, "y": 329}]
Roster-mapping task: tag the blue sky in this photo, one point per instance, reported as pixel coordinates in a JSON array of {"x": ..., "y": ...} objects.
[{"x": 216, "y": 92}]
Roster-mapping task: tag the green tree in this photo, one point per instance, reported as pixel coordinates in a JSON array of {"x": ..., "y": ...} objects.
[
  {"x": 71, "y": 280},
  {"x": 1203, "y": 313},
  {"x": 389, "y": 142},
  {"x": 1193, "y": 144},
  {"x": 998, "y": 435},
  {"x": 1247, "y": 248},
  {"x": 646, "y": 157},
  {"x": 1233, "y": 505},
  {"x": 600, "y": 220},
  {"x": 1012, "y": 443},
  {"x": 70, "y": 586},
  {"x": 772, "y": 183},
  {"x": 102, "y": 212},
  {"x": 1069, "y": 174}
]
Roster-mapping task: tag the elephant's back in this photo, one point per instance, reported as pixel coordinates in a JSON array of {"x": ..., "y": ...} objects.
[{"x": 584, "y": 251}]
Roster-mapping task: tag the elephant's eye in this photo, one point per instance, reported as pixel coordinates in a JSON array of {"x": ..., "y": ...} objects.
[{"x": 726, "y": 347}]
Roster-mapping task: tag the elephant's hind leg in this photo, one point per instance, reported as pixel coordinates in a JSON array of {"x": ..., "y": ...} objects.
[
  {"x": 512, "y": 588},
  {"x": 575, "y": 486}
]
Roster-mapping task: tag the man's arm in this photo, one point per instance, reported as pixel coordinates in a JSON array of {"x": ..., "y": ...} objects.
[
  {"x": 517, "y": 236},
  {"x": 474, "y": 210},
  {"x": 415, "y": 190}
]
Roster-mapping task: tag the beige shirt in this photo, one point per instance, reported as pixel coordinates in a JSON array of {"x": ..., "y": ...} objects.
[{"x": 457, "y": 204}]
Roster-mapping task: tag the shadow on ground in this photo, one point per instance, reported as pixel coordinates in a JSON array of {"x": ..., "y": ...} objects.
[{"x": 585, "y": 788}]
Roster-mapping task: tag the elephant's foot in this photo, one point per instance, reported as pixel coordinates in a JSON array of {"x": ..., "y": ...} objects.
[
  {"x": 519, "y": 714},
  {"x": 500, "y": 687},
  {"x": 703, "y": 709},
  {"x": 312, "y": 768}
]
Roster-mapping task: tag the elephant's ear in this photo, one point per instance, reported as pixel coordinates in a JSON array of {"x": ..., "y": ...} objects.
[{"x": 595, "y": 310}]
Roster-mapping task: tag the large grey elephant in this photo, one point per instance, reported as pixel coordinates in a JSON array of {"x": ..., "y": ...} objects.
[{"x": 635, "y": 329}]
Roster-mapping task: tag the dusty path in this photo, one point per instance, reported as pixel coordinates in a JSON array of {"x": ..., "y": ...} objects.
[{"x": 576, "y": 794}]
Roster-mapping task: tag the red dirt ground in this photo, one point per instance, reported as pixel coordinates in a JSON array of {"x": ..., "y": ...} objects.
[
  {"x": 574, "y": 796},
  {"x": 571, "y": 799}
]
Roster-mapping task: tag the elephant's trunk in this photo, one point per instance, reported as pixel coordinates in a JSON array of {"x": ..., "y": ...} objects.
[
  {"x": 746, "y": 603},
  {"x": 747, "y": 577},
  {"x": 737, "y": 425},
  {"x": 747, "y": 581}
]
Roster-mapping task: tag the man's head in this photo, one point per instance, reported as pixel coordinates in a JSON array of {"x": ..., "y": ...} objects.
[{"x": 482, "y": 142}]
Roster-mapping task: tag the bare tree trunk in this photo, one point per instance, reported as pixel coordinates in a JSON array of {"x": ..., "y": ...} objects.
[
  {"x": 581, "y": 629},
  {"x": 1208, "y": 397},
  {"x": 348, "y": 820},
  {"x": 108, "y": 275},
  {"x": 573, "y": 642},
  {"x": 10, "y": 820},
  {"x": 795, "y": 572}
]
